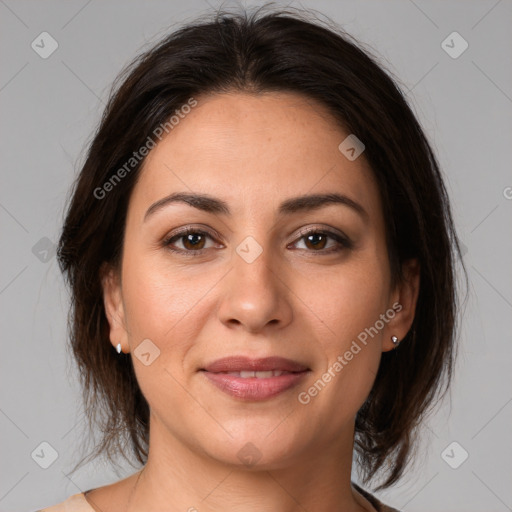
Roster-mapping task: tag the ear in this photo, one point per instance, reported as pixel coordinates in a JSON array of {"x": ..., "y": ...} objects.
[
  {"x": 403, "y": 303},
  {"x": 114, "y": 307}
]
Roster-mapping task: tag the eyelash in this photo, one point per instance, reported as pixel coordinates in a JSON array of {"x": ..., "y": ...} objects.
[{"x": 345, "y": 242}]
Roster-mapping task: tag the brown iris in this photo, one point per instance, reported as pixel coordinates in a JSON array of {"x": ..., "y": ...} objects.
[
  {"x": 195, "y": 239},
  {"x": 316, "y": 243}
]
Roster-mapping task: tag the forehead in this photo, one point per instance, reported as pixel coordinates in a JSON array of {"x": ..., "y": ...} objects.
[{"x": 253, "y": 151}]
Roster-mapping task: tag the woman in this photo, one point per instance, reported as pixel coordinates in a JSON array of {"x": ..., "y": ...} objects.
[{"x": 261, "y": 256}]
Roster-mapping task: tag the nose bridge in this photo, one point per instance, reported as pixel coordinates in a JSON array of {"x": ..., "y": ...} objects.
[
  {"x": 252, "y": 270},
  {"x": 253, "y": 294},
  {"x": 253, "y": 264}
]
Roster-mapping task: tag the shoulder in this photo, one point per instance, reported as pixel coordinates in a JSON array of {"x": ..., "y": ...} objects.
[
  {"x": 378, "y": 505},
  {"x": 75, "y": 503}
]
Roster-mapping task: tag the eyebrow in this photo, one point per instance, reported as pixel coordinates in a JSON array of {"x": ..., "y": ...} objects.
[{"x": 217, "y": 206}]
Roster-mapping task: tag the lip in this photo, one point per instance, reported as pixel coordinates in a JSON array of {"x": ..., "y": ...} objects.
[
  {"x": 240, "y": 363},
  {"x": 254, "y": 388}
]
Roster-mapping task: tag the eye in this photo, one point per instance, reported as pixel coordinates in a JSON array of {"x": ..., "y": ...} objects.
[
  {"x": 316, "y": 240},
  {"x": 193, "y": 241}
]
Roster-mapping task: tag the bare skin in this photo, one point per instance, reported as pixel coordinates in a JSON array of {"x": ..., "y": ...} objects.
[{"x": 302, "y": 298}]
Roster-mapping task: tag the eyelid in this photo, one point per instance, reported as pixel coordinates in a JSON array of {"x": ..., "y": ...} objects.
[
  {"x": 192, "y": 229},
  {"x": 338, "y": 236},
  {"x": 321, "y": 229},
  {"x": 181, "y": 232},
  {"x": 330, "y": 232}
]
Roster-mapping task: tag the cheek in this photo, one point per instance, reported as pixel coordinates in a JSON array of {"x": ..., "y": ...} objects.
[
  {"x": 350, "y": 299},
  {"x": 349, "y": 304},
  {"x": 160, "y": 306},
  {"x": 343, "y": 383},
  {"x": 159, "y": 301}
]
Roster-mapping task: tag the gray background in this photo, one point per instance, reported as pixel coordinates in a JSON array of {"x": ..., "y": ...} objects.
[{"x": 49, "y": 108}]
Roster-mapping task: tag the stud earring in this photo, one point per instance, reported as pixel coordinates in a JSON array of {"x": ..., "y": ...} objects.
[
  {"x": 118, "y": 348},
  {"x": 395, "y": 341}
]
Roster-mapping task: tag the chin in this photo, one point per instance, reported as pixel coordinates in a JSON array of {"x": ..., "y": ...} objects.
[{"x": 257, "y": 449}]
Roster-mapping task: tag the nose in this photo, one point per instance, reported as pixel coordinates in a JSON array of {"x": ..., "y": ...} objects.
[{"x": 255, "y": 295}]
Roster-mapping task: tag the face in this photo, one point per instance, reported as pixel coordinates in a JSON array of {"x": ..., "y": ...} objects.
[{"x": 259, "y": 274}]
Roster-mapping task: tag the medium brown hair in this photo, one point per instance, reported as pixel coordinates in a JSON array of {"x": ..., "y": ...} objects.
[{"x": 280, "y": 50}]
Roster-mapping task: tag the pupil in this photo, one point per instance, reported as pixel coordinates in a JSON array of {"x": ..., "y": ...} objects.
[
  {"x": 192, "y": 239},
  {"x": 317, "y": 242}
]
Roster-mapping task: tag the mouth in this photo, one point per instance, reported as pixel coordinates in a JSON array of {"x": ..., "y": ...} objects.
[
  {"x": 254, "y": 379},
  {"x": 247, "y": 374},
  {"x": 238, "y": 364}
]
